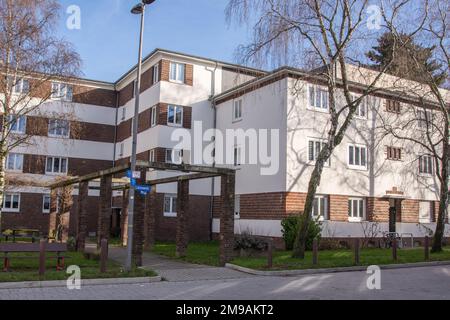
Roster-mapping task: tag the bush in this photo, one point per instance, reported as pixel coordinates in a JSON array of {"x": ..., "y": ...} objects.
[
  {"x": 290, "y": 228},
  {"x": 246, "y": 241},
  {"x": 71, "y": 244}
]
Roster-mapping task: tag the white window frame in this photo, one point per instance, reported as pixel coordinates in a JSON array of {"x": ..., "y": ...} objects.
[
  {"x": 358, "y": 216},
  {"x": 323, "y": 95},
  {"x": 18, "y": 121},
  {"x": 363, "y": 105},
  {"x": 315, "y": 154},
  {"x": 152, "y": 156},
  {"x": 155, "y": 73},
  {"x": 357, "y": 166},
  {"x": 19, "y": 87},
  {"x": 237, "y": 110},
  {"x": 11, "y": 195},
  {"x": 237, "y": 156},
  {"x": 153, "y": 117},
  {"x": 58, "y": 126},
  {"x": 60, "y": 172},
  {"x": 180, "y": 72},
  {"x": 422, "y": 120},
  {"x": 175, "y": 118},
  {"x": 317, "y": 199},
  {"x": 426, "y": 219},
  {"x": 172, "y": 213},
  {"x": 18, "y": 158},
  {"x": 134, "y": 88},
  {"x": 124, "y": 113},
  {"x": 428, "y": 165},
  {"x": 46, "y": 196},
  {"x": 173, "y": 156},
  {"x": 62, "y": 91},
  {"x": 237, "y": 206},
  {"x": 121, "y": 149}
]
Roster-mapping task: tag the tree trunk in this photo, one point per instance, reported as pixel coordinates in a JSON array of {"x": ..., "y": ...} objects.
[
  {"x": 314, "y": 181},
  {"x": 443, "y": 201},
  {"x": 2, "y": 183}
]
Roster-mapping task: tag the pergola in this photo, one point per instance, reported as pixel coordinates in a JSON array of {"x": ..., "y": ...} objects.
[{"x": 143, "y": 224}]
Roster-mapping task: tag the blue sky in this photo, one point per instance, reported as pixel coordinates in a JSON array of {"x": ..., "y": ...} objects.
[{"x": 108, "y": 38}]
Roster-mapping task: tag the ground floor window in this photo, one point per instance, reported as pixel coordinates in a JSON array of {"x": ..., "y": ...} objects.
[
  {"x": 356, "y": 209},
  {"x": 170, "y": 205},
  {"x": 46, "y": 203},
  {"x": 320, "y": 207},
  {"x": 11, "y": 202},
  {"x": 425, "y": 211}
]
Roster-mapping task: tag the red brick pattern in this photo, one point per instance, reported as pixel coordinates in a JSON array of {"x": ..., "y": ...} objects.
[
  {"x": 338, "y": 208},
  {"x": 182, "y": 236},
  {"x": 226, "y": 235}
]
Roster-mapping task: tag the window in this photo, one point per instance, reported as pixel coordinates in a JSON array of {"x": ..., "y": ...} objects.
[
  {"x": 357, "y": 156},
  {"x": 58, "y": 128},
  {"x": 356, "y": 209},
  {"x": 152, "y": 157},
  {"x": 425, "y": 212},
  {"x": 46, "y": 203},
  {"x": 56, "y": 165},
  {"x": 237, "y": 156},
  {"x": 14, "y": 162},
  {"x": 155, "y": 73},
  {"x": 62, "y": 91},
  {"x": 21, "y": 86},
  {"x": 177, "y": 71},
  {"x": 134, "y": 88},
  {"x": 426, "y": 164},
  {"x": 318, "y": 98},
  {"x": 174, "y": 156},
  {"x": 320, "y": 206},
  {"x": 237, "y": 110},
  {"x": 124, "y": 113},
  {"x": 425, "y": 118},
  {"x": 11, "y": 202},
  {"x": 121, "y": 148},
  {"x": 361, "y": 110},
  {"x": 314, "y": 148},
  {"x": 170, "y": 205},
  {"x": 394, "y": 153},
  {"x": 175, "y": 115},
  {"x": 17, "y": 124},
  {"x": 153, "y": 116},
  {"x": 393, "y": 106},
  {"x": 237, "y": 206}
]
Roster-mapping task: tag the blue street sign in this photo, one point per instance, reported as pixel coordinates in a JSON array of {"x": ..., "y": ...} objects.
[
  {"x": 145, "y": 189},
  {"x": 128, "y": 173},
  {"x": 133, "y": 182}
]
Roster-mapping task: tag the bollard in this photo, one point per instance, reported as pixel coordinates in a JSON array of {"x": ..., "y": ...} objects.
[
  {"x": 103, "y": 255},
  {"x": 270, "y": 254},
  {"x": 315, "y": 253},
  {"x": 427, "y": 248},
  {"x": 356, "y": 251},
  {"x": 394, "y": 249},
  {"x": 42, "y": 245}
]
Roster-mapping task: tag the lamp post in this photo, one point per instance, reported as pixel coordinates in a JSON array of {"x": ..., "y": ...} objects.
[{"x": 137, "y": 9}]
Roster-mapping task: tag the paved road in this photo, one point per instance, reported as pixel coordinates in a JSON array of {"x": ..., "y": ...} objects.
[{"x": 414, "y": 283}]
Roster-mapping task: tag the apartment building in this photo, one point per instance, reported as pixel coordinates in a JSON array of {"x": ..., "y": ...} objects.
[{"x": 364, "y": 178}]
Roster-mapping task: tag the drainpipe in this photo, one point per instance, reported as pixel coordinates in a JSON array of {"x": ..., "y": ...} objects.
[
  {"x": 115, "y": 126},
  {"x": 213, "y": 106}
]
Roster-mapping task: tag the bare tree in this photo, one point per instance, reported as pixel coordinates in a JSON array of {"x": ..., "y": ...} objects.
[
  {"x": 328, "y": 35},
  {"x": 426, "y": 122},
  {"x": 31, "y": 56}
]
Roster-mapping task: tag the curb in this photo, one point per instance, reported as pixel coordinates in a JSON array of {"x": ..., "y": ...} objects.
[
  {"x": 333, "y": 270},
  {"x": 87, "y": 282}
]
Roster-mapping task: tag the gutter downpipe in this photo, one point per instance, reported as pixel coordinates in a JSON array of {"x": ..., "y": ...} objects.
[{"x": 213, "y": 180}]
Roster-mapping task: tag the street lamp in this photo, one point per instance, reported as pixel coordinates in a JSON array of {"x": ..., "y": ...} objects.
[{"x": 137, "y": 9}]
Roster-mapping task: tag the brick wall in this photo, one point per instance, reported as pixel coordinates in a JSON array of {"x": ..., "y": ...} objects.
[
  {"x": 338, "y": 207},
  {"x": 377, "y": 209},
  {"x": 410, "y": 210}
]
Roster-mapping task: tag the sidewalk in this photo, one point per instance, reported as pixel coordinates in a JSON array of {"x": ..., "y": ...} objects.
[{"x": 175, "y": 270}]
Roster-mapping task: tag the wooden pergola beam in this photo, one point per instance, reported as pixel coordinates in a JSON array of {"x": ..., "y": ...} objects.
[{"x": 183, "y": 167}]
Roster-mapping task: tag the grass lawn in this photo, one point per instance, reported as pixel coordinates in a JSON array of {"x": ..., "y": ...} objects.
[
  {"x": 208, "y": 253},
  {"x": 197, "y": 252},
  {"x": 27, "y": 269}
]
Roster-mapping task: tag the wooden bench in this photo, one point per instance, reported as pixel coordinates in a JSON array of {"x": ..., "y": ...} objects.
[{"x": 59, "y": 248}]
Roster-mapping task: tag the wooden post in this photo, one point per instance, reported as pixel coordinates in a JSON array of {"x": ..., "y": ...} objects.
[
  {"x": 226, "y": 233},
  {"x": 42, "y": 245},
  {"x": 315, "y": 258},
  {"x": 182, "y": 218},
  {"x": 356, "y": 251},
  {"x": 103, "y": 255},
  {"x": 270, "y": 254},
  {"x": 394, "y": 249},
  {"x": 427, "y": 248}
]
